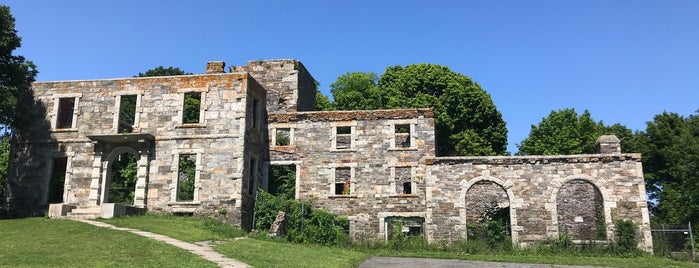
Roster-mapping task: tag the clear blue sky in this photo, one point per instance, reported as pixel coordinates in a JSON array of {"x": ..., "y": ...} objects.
[{"x": 625, "y": 61}]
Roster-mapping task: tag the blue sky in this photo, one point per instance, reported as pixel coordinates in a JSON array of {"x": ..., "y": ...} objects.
[{"x": 624, "y": 61}]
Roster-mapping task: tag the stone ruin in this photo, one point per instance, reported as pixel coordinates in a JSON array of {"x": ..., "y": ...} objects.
[{"x": 203, "y": 144}]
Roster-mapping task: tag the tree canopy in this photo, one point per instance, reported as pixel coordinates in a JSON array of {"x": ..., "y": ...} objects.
[
  {"x": 16, "y": 73},
  {"x": 566, "y": 132},
  {"x": 466, "y": 120},
  {"x": 162, "y": 71},
  {"x": 670, "y": 147}
]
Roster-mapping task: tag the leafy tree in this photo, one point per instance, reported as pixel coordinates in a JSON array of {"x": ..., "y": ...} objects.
[
  {"x": 670, "y": 147},
  {"x": 357, "y": 91},
  {"x": 566, "y": 132},
  {"x": 162, "y": 71},
  {"x": 322, "y": 102},
  {"x": 466, "y": 120},
  {"x": 4, "y": 158},
  {"x": 562, "y": 132}
]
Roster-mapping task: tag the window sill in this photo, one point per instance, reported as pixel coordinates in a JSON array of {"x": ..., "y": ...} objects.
[
  {"x": 65, "y": 130},
  {"x": 402, "y": 149},
  {"x": 184, "y": 203},
  {"x": 403, "y": 196},
  {"x": 191, "y": 125},
  {"x": 342, "y": 196},
  {"x": 342, "y": 150}
]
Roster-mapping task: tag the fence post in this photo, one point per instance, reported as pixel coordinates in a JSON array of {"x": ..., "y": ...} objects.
[{"x": 691, "y": 237}]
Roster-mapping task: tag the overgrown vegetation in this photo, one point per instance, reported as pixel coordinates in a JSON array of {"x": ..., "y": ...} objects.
[
  {"x": 123, "y": 184},
  {"x": 303, "y": 223}
]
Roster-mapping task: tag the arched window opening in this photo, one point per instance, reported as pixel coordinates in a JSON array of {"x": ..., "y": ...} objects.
[{"x": 580, "y": 211}]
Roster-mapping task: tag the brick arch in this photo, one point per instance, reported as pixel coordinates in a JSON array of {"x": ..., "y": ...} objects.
[
  {"x": 600, "y": 199},
  {"x": 506, "y": 186}
]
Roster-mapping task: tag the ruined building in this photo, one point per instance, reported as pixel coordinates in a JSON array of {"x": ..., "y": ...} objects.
[{"x": 204, "y": 143}]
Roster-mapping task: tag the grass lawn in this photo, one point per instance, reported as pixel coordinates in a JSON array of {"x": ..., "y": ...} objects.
[
  {"x": 42, "y": 242},
  {"x": 39, "y": 242},
  {"x": 189, "y": 229}
]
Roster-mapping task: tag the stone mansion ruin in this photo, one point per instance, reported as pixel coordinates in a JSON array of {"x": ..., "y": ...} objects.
[{"x": 204, "y": 143}]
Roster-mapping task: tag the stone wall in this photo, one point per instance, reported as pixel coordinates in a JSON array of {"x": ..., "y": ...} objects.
[
  {"x": 371, "y": 159},
  {"x": 533, "y": 185},
  {"x": 223, "y": 140},
  {"x": 290, "y": 87}
]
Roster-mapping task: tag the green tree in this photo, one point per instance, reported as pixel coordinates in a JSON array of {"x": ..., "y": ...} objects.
[
  {"x": 16, "y": 73},
  {"x": 357, "y": 91},
  {"x": 562, "y": 132},
  {"x": 4, "y": 158},
  {"x": 466, "y": 120},
  {"x": 162, "y": 71},
  {"x": 670, "y": 147},
  {"x": 322, "y": 102}
]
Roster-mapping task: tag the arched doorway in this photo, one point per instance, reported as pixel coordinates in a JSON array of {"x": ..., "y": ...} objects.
[
  {"x": 580, "y": 210},
  {"x": 487, "y": 208},
  {"x": 121, "y": 179}
]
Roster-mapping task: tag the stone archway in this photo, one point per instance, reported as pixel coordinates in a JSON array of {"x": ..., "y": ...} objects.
[
  {"x": 580, "y": 210},
  {"x": 487, "y": 202}
]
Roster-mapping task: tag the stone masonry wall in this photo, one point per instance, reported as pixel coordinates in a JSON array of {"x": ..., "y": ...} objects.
[
  {"x": 532, "y": 184},
  {"x": 372, "y": 160},
  {"x": 217, "y": 139}
]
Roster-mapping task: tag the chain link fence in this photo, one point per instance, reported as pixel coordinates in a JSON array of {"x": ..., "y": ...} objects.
[{"x": 674, "y": 241}]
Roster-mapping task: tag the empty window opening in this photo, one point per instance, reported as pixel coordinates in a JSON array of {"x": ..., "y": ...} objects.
[
  {"x": 283, "y": 137},
  {"x": 186, "y": 177},
  {"x": 343, "y": 137},
  {"x": 66, "y": 109},
  {"x": 406, "y": 226},
  {"x": 403, "y": 180},
  {"x": 57, "y": 180},
  {"x": 122, "y": 185},
  {"x": 402, "y": 135},
  {"x": 127, "y": 113},
  {"x": 580, "y": 211},
  {"x": 282, "y": 181},
  {"x": 343, "y": 181},
  {"x": 253, "y": 176},
  {"x": 255, "y": 113},
  {"x": 192, "y": 108}
]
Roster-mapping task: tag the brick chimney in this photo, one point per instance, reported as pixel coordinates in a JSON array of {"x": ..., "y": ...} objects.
[
  {"x": 215, "y": 67},
  {"x": 608, "y": 144}
]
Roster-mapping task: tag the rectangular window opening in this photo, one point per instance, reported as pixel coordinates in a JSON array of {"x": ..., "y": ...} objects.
[
  {"x": 283, "y": 137},
  {"x": 403, "y": 180},
  {"x": 343, "y": 137},
  {"x": 186, "y": 177},
  {"x": 66, "y": 109},
  {"x": 192, "y": 108},
  {"x": 127, "y": 113},
  {"x": 343, "y": 181},
  {"x": 57, "y": 180},
  {"x": 402, "y": 133}
]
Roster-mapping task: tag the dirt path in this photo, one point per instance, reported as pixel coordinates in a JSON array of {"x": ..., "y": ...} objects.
[
  {"x": 395, "y": 262},
  {"x": 204, "y": 250}
]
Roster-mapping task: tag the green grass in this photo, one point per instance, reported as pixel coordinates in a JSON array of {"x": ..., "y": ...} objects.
[
  {"x": 265, "y": 253},
  {"x": 39, "y": 242},
  {"x": 190, "y": 229}
]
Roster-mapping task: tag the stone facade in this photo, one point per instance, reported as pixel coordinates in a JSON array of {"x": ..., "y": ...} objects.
[{"x": 374, "y": 167}]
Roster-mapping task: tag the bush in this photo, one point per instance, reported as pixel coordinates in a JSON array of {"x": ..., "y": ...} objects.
[{"x": 303, "y": 224}]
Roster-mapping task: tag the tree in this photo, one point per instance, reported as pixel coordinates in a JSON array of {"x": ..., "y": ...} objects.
[
  {"x": 466, "y": 120},
  {"x": 161, "y": 71},
  {"x": 357, "y": 91},
  {"x": 562, "y": 132},
  {"x": 322, "y": 102},
  {"x": 670, "y": 147},
  {"x": 16, "y": 73},
  {"x": 566, "y": 132}
]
